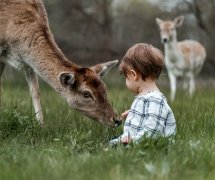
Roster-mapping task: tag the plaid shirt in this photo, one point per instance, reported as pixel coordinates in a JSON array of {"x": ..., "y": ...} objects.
[{"x": 150, "y": 116}]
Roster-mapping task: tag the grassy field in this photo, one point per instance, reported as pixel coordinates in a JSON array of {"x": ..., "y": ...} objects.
[{"x": 74, "y": 147}]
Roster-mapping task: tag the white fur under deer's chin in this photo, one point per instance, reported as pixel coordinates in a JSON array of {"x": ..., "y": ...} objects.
[{"x": 102, "y": 118}]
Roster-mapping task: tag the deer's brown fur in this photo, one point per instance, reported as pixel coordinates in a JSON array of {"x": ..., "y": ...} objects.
[{"x": 27, "y": 44}]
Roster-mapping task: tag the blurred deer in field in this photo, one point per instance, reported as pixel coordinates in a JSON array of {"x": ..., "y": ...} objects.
[
  {"x": 27, "y": 44},
  {"x": 182, "y": 59}
]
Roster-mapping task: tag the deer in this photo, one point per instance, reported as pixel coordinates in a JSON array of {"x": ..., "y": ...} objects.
[
  {"x": 183, "y": 59},
  {"x": 27, "y": 44}
]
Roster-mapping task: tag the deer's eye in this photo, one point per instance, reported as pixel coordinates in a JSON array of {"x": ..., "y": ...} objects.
[{"x": 86, "y": 94}]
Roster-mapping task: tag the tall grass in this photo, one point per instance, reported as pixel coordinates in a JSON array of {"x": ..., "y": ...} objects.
[{"x": 72, "y": 146}]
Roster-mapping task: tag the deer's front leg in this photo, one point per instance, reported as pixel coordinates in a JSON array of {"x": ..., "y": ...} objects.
[
  {"x": 35, "y": 94},
  {"x": 172, "y": 79},
  {"x": 2, "y": 67},
  {"x": 191, "y": 84},
  {"x": 185, "y": 82}
]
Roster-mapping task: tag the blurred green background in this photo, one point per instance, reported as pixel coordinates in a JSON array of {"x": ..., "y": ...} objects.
[
  {"x": 72, "y": 146},
  {"x": 91, "y": 31}
]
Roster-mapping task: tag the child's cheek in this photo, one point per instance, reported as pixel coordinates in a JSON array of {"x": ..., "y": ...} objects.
[{"x": 128, "y": 84}]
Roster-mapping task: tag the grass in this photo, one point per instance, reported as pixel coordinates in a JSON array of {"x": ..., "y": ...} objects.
[{"x": 74, "y": 147}]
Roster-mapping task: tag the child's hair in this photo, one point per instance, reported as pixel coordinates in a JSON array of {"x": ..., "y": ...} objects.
[{"x": 145, "y": 59}]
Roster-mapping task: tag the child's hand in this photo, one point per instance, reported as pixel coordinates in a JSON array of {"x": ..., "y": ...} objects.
[
  {"x": 126, "y": 140},
  {"x": 124, "y": 114}
]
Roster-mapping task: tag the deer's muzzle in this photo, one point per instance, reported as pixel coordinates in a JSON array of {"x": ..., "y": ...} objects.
[{"x": 117, "y": 122}]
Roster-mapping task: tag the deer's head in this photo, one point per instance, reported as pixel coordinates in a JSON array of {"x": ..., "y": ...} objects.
[
  {"x": 168, "y": 28},
  {"x": 86, "y": 92}
]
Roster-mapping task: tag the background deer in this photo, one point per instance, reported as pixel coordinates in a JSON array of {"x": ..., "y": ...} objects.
[
  {"x": 27, "y": 44},
  {"x": 182, "y": 59}
]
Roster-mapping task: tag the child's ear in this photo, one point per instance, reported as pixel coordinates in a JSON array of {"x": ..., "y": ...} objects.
[{"x": 134, "y": 75}]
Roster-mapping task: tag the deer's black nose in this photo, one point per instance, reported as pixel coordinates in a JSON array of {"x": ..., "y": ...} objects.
[
  {"x": 165, "y": 40},
  {"x": 117, "y": 122}
]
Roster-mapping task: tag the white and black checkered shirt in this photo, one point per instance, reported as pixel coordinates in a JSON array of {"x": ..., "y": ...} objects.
[{"x": 150, "y": 116}]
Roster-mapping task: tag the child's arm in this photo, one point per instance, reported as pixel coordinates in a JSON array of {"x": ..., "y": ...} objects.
[
  {"x": 151, "y": 127},
  {"x": 124, "y": 114},
  {"x": 126, "y": 140}
]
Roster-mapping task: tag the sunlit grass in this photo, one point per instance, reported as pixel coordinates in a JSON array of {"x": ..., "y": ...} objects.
[{"x": 73, "y": 147}]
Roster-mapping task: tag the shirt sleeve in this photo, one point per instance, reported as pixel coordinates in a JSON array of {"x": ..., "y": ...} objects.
[
  {"x": 151, "y": 128},
  {"x": 134, "y": 120}
]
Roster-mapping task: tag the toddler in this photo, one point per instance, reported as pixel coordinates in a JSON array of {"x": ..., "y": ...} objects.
[{"x": 150, "y": 114}]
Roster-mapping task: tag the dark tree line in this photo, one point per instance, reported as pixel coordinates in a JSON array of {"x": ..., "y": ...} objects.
[{"x": 91, "y": 31}]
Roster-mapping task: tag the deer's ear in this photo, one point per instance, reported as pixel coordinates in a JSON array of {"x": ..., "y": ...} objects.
[
  {"x": 67, "y": 79},
  {"x": 179, "y": 21},
  {"x": 102, "y": 69},
  {"x": 158, "y": 21}
]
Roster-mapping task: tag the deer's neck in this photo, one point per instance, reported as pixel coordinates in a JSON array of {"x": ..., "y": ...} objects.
[
  {"x": 48, "y": 61},
  {"x": 171, "y": 46},
  {"x": 172, "y": 52}
]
